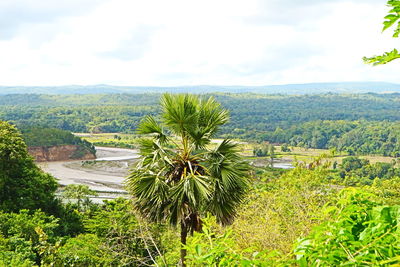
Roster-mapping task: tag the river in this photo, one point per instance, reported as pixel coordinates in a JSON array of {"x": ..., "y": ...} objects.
[{"x": 106, "y": 175}]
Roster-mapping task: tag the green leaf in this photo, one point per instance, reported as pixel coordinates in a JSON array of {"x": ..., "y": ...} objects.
[
  {"x": 390, "y": 20},
  {"x": 383, "y": 59}
]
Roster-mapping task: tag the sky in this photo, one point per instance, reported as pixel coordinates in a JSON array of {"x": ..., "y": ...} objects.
[{"x": 186, "y": 42}]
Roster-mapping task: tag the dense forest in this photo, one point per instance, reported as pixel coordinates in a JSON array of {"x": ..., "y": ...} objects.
[
  {"x": 353, "y": 137},
  {"x": 357, "y": 124}
]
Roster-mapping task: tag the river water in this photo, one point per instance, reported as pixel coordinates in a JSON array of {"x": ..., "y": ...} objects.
[
  {"x": 283, "y": 165},
  {"x": 106, "y": 180},
  {"x": 115, "y": 154}
]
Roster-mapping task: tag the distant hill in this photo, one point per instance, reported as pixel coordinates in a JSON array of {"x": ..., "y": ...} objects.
[{"x": 307, "y": 88}]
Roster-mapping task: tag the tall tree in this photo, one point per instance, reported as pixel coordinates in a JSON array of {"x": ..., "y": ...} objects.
[
  {"x": 22, "y": 184},
  {"x": 393, "y": 18},
  {"x": 181, "y": 175}
]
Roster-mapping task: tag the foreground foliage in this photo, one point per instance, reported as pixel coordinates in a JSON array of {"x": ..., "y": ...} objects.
[
  {"x": 216, "y": 247},
  {"x": 328, "y": 225},
  {"x": 281, "y": 209},
  {"x": 22, "y": 184},
  {"x": 360, "y": 232},
  {"x": 112, "y": 236},
  {"x": 391, "y": 19}
]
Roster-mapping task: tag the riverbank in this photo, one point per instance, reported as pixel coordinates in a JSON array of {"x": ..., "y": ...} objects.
[{"x": 104, "y": 177}]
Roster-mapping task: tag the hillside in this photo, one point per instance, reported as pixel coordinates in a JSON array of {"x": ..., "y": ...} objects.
[
  {"x": 307, "y": 88},
  {"x": 355, "y": 123},
  {"x": 250, "y": 113},
  {"x": 49, "y": 144}
]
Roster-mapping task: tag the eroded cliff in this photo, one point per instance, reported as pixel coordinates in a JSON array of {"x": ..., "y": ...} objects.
[{"x": 59, "y": 153}]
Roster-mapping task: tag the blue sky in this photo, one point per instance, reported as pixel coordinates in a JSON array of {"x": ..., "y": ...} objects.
[{"x": 184, "y": 42}]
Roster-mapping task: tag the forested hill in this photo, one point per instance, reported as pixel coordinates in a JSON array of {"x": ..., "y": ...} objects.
[
  {"x": 249, "y": 112},
  {"x": 362, "y": 123},
  {"x": 63, "y": 144},
  {"x": 35, "y": 136},
  {"x": 308, "y": 88}
]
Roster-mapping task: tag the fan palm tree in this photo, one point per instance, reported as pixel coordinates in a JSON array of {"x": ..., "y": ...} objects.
[{"x": 180, "y": 176}]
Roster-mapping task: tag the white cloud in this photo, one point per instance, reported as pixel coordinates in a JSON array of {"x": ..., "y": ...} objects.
[{"x": 183, "y": 42}]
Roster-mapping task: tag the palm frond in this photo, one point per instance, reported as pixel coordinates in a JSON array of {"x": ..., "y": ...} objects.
[
  {"x": 227, "y": 147},
  {"x": 152, "y": 151},
  {"x": 199, "y": 137},
  {"x": 188, "y": 196},
  {"x": 210, "y": 116},
  {"x": 230, "y": 180},
  {"x": 150, "y": 194},
  {"x": 149, "y": 126},
  {"x": 179, "y": 112}
]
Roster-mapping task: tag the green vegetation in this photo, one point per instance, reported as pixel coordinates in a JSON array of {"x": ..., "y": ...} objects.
[
  {"x": 261, "y": 150},
  {"x": 283, "y": 209},
  {"x": 112, "y": 140},
  {"x": 22, "y": 184},
  {"x": 337, "y": 209},
  {"x": 35, "y": 136},
  {"x": 112, "y": 236},
  {"x": 249, "y": 112},
  {"x": 78, "y": 113},
  {"x": 310, "y": 121},
  {"x": 390, "y": 20},
  {"x": 179, "y": 178},
  {"x": 80, "y": 193},
  {"x": 361, "y": 232},
  {"x": 362, "y": 138},
  {"x": 355, "y": 170}
]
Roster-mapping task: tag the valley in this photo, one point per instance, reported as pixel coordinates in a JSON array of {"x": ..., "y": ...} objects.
[
  {"x": 199, "y": 133},
  {"x": 106, "y": 174}
]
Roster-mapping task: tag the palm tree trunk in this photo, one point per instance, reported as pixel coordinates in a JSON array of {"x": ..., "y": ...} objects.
[{"x": 184, "y": 232}]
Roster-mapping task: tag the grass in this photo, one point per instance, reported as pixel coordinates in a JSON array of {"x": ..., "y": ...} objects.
[{"x": 111, "y": 139}]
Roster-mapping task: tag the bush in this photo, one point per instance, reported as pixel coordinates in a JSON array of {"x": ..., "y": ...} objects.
[
  {"x": 215, "y": 247},
  {"x": 360, "y": 233},
  {"x": 283, "y": 209},
  {"x": 129, "y": 241},
  {"x": 20, "y": 238},
  {"x": 22, "y": 183},
  {"x": 84, "y": 250}
]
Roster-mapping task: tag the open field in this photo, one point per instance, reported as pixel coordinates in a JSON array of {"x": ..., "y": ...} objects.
[
  {"x": 299, "y": 154},
  {"x": 306, "y": 155},
  {"x": 110, "y": 139}
]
